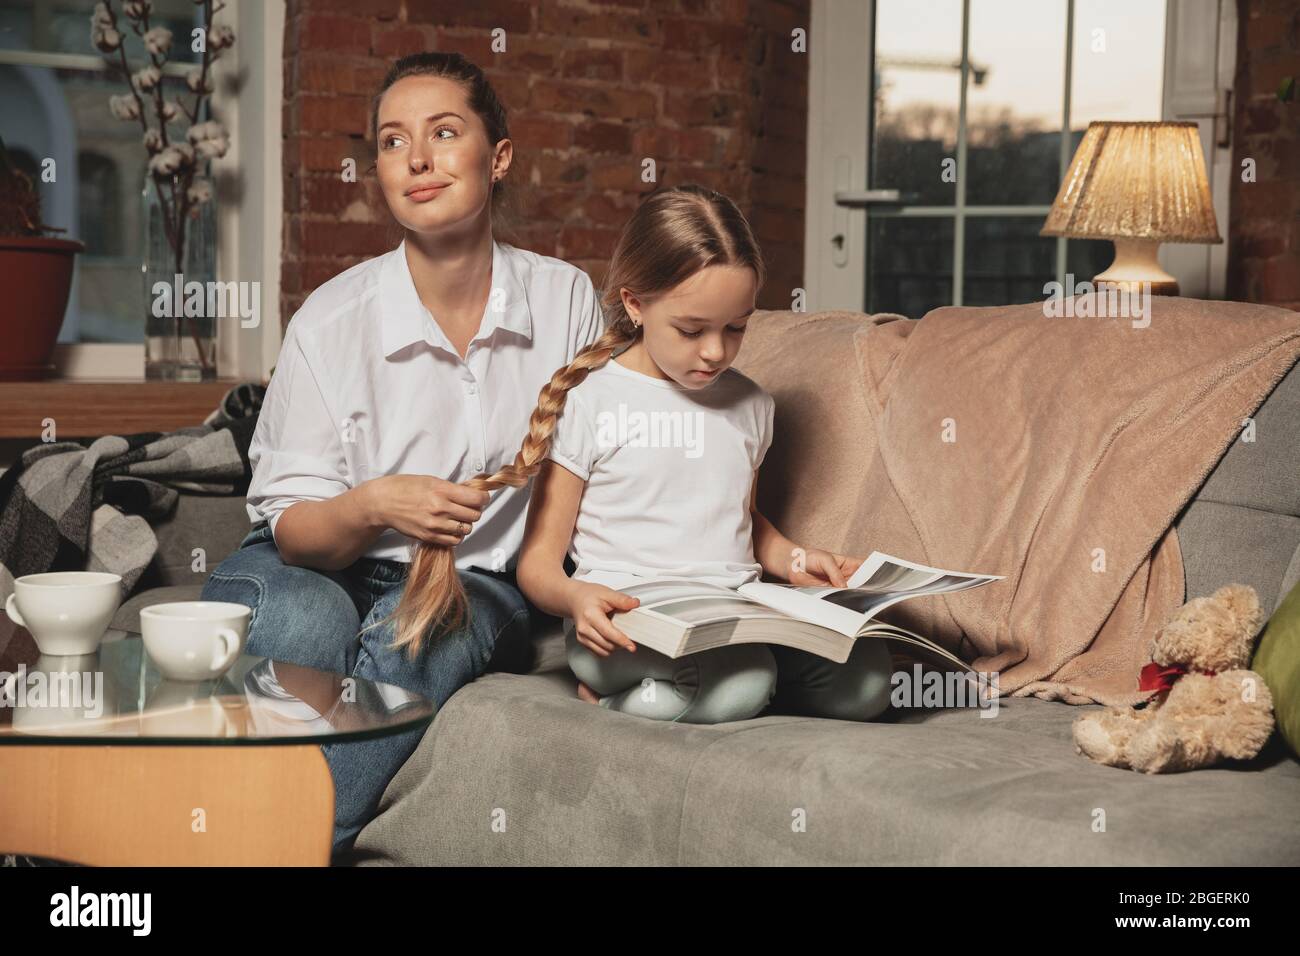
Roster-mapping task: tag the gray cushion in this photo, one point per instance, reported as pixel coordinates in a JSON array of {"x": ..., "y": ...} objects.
[
  {"x": 577, "y": 784},
  {"x": 1243, "y": 526},
  {"x": 214, "y": 523}
]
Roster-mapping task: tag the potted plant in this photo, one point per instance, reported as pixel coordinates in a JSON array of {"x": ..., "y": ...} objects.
[{"x": 36, "y": 275}]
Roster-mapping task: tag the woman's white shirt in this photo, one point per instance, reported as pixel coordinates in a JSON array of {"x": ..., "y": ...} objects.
[{"x": 367, "y": 384}]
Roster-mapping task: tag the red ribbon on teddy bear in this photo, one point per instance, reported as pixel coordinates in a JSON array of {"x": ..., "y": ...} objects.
[{"x": 1156, "y": 678}]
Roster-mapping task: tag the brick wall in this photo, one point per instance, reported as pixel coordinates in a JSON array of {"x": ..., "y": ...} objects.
[
  {"x": 709, "y": 88},
  {"x": 1264, "y": 232}
]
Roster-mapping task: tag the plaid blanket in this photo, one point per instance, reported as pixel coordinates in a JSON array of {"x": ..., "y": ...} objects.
[{"x": 88, "y": 505}]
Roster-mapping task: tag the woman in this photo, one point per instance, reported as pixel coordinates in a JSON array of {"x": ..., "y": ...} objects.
[{"x": 397, "y": 380}]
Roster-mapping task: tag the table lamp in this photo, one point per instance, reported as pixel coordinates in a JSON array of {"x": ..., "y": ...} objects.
[{"x": 1137, "y": 184}]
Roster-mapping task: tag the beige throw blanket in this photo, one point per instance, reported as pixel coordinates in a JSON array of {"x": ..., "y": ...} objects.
[{"x": 1057, "y": 452}]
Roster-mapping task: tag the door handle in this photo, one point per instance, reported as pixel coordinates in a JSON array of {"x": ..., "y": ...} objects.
[{"x": 861, "y": 198}]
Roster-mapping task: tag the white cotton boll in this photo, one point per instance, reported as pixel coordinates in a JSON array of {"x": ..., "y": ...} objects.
[
  {"x": 166, "y": 162},
  {"x": 124, "y": 107},
  {"x": 172, "y": 159},
  {"x": 105, "y": 39},
  {"x": 170, "y": 110},
  {"x": 153, "y": 140},
  {"x": 221, "y": 37},
  {"x": 213, "y": 148},
  {"x": 208, "y": 130},
  {"x": 210, "y": 139},
  {"x": 147, "y": 78},
  {"x": 200, "y": 191},
  {"x": 158, "y": 41},
  {"x": 194, "y": 77}
]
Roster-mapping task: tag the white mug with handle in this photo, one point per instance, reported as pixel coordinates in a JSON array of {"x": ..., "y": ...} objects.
[{"x": 194, "y": 640}]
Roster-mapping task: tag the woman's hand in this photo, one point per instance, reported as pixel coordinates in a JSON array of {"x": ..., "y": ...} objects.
[
  {"x": 821, "y": 568},
  {"x": 590, "y": 606},
  {"x": 429, "y": 509}
]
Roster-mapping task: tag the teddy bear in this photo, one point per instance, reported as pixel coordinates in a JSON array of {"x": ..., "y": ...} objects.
[{"x": 1205, "y": 706}]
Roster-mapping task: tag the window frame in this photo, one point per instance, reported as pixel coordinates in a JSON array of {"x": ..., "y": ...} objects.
[{"x": 1200, "y": 54}]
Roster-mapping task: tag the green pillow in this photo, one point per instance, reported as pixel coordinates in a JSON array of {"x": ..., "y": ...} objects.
[{"x": 1277, "y": 660}]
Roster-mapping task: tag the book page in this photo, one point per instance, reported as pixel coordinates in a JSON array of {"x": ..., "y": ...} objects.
[
  {"x": 787, "y": 599},
  {"x": 881, "y": 581},
  {"x": 691, "y": 604},
  {"x": 883, "y": 573}
]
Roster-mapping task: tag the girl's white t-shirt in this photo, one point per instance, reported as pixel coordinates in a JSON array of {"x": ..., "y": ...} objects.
[{"x": 668, "y": 474}]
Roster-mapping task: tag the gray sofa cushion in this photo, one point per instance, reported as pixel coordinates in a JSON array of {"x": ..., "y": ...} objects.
[
  {"x": 212, "y": 522},
  {"x": 576, "y": 784},
  {"x": 1243, "y": 525}
]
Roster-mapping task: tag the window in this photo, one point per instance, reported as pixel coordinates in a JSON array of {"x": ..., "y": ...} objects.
[
  {"x": 101, "y": 205},
  {"x": 931, "y": 189},
  {"x": 48, "y": 63}
]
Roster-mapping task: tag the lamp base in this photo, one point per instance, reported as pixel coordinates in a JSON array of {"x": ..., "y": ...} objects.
[{"x": 1136, "y": 263}]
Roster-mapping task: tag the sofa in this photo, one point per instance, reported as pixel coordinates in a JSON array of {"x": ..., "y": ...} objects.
[{"x": 515, "y": 769}]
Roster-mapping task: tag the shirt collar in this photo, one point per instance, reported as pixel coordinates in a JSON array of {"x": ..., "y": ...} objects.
[{"x": 406, "y": 320}]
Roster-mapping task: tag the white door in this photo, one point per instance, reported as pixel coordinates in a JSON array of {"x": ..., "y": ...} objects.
[{"x": 936, "y": 146}]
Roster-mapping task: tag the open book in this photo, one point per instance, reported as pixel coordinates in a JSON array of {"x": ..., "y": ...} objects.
[{"x": 678, "y": 618}]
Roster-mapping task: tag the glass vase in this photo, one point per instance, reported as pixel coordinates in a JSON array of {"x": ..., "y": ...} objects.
[{"x": 180, "y": 333}]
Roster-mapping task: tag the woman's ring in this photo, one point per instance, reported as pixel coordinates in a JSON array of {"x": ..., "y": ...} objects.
[{"x": 464, "y": 527}]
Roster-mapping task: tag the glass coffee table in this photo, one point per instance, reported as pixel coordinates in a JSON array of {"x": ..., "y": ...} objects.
[{"x": 103, "y": 761}]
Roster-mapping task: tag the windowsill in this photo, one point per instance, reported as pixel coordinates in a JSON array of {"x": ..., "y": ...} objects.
[{"x": 89, "y": 408}]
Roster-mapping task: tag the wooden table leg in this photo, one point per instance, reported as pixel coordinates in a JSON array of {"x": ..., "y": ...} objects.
[{"x": 150, "y": 805}]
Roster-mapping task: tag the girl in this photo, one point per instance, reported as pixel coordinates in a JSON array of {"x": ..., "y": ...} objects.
[
  {"x": 678, "y": 296},
  {"x": 398, "y": 379}
]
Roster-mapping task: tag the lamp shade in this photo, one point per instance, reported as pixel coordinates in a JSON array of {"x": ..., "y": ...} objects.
[{"x": 1136, "y": 181}]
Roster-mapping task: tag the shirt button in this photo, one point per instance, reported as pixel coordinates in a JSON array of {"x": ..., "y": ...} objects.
[
  {"x": 478, "y": 466},
  {"x": 472, "y": 388}
]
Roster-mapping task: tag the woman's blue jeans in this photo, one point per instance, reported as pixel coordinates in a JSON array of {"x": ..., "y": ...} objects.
[{"x": 316, "y": 619}]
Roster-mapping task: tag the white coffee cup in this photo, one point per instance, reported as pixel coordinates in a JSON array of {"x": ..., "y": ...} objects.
[
  {"x": 66, "y": 611},
  {"x": 194, "y": 640}
]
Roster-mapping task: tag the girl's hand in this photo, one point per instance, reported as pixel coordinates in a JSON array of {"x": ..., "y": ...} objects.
[
  {"x": 822, "y": 568},
  {"x": 429, "y": 509},
  {"x": 590, "y": 606}
]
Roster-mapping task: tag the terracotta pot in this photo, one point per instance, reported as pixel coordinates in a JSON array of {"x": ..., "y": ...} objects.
[{"x": 35, "y": 274}]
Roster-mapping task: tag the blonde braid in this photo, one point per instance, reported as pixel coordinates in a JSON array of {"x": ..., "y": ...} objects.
[{"x": 434, "y": 593}]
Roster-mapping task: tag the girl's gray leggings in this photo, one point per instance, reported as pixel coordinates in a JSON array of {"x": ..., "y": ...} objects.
[{"x": 735, "y": 682}]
